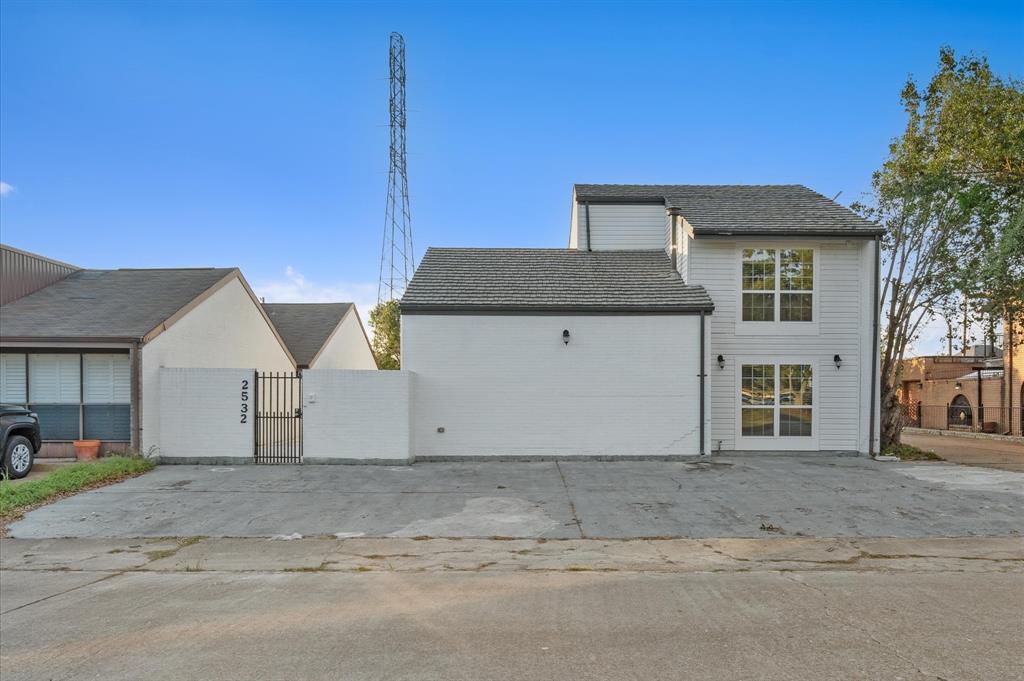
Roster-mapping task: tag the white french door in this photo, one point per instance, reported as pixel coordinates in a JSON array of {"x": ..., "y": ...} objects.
[{"x": 776, "y": 404}]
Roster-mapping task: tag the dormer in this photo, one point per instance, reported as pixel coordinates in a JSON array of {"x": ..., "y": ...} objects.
[{"x": 604, "y": 222}]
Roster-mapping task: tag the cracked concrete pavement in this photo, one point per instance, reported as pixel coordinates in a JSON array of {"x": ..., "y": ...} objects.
[
  {"x": 725, "y": 496},
  {"x": 403, "y": 608},
  {"x": 524, "y": 571}
]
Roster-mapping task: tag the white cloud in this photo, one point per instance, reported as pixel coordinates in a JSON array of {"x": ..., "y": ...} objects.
[
  {"x": 5, "y": 189},
  {"x": 295, "y": 288}
]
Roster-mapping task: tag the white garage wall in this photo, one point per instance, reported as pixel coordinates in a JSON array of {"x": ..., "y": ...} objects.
[
  {"x": 356, "y": 416},
  {"x": 347, "y": 348},
  {"x": 201, "y": 414},
  {"x": 227, "y": 330},
  {"x": 507, "y": 385}
]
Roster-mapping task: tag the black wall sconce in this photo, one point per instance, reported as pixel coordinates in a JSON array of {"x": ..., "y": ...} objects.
[
  {"x": 838, "y": 361},
  {"x": 958, "y": 385},
  {"x": 721, "y": 362},
  {"x": 565, "y": 336}
]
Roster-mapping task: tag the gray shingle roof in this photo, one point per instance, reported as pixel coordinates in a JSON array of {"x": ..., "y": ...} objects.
[
  {"x": 305, "y": 327},
  {"x": 106, "y": 303},
  {"x": 552, "y": 280},
  {"x": 742, "y": 209}
]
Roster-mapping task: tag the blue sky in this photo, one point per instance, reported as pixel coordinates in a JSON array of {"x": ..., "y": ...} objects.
[{"x": 255, "y": 134}]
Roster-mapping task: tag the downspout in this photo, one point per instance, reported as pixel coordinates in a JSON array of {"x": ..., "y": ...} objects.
[
  {"x": 587, "y": 207},
  {"x": 981, "y": 407},
  {"x": 1008, "y": 375},
  {"x": 702, "y": 382},
  {"x": 874, "y": 347},
  {"x": 136, "y": 396}
]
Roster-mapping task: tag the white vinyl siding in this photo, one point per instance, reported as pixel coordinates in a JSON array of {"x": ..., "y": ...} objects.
[
  {"x": 107, "y": 379},
  {"x": 54, "y": 379},
  {"x": 622, "y": 226},
  {"x": 12, "y": 378},
  {"x": 842, "y": 280}
]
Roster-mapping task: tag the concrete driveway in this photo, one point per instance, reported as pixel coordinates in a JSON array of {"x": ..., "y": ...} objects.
[
  {"x": 1002, "y": 454},
  {"x": 727, "y": 496}
]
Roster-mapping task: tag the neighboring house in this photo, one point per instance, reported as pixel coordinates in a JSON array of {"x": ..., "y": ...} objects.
[
  {"x": 22, "y": 272},
  {"x": 681, "y": 319},
  {"x": 982, "y": 389},
  {"x": 323, "y": 335},
  {"x": 85, "y": 352}
]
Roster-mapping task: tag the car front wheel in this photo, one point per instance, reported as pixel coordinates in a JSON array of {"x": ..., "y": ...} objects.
[{"x": 18, "y": 457}]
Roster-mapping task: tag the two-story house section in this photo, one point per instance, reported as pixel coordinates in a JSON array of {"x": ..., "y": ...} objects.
[
  {"x": 793, "y": 275},
  {"x": 680, "y": 320}
]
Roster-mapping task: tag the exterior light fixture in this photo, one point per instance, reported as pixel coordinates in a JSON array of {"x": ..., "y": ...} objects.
[
  {"x": 565, "y": 336},
  {"x": 958, "y": 385},
  {"x": 721, "y": 362},
  {"x": 838, "y": 361}
]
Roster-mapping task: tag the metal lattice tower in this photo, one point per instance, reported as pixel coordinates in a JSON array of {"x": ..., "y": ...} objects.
[{"x": 396, "y": 255}]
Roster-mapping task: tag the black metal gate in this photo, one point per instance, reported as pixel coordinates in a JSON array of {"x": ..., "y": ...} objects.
[{"x": 278, "y": 399}]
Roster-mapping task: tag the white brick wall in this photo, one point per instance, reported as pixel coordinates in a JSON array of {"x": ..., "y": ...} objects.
[
  {"x": 508, "y": 386},
  {"x": 357, "y": 415},
  {"x": 201, "y": 413},
  {"x": 348, "y": 347},
  {"x": 225, "y": 330}
]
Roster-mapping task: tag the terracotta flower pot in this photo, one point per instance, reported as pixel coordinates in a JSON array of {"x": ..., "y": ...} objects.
[{"x": 87, "y": 450}]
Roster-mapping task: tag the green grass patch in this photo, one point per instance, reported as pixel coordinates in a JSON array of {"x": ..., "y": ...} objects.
[
  {"x": 16, "y": 498},
  {"x": 910, "y": 453}
]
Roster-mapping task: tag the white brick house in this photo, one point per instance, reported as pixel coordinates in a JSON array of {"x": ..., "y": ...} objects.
[
  {"x": 680, "y": 320},
  {"x": 85, "y": 350},
  {"x": 323, "y": 335}
]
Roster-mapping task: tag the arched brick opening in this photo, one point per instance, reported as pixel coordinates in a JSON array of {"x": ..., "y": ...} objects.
[{"x": 960, "y": 412}]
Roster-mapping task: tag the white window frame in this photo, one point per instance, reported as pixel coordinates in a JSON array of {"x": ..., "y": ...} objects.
[
  {"x": 752, "y": 328},
  {"x": 778, "y": 442}
]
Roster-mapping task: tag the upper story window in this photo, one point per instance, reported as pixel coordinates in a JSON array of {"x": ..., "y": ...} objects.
[{"x": 778, "y": 284}]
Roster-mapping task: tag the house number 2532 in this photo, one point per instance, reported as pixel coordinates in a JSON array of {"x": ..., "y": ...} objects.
[{"x": 244, "y": 414}]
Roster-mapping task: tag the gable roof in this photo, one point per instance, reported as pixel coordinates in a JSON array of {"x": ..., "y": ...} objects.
[
  {"x": 306, "y": 327},
  {"x": 770, "y": 210},
  {"x": 481, "y": 280},
  {"x": 124, "y": 304}
]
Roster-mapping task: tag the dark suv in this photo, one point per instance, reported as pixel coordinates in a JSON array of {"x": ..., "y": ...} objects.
[{"x": 19, "y": 434}]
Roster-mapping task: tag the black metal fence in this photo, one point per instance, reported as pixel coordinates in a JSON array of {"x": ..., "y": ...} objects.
[
  {"x": 278, "y": 422},
  {"x": 963, "y": 417}
]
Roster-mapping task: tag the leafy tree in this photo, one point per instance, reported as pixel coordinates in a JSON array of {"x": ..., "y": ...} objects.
[
  {"x": 385, "y": 319},
  {"x": 947, "y": 195}
]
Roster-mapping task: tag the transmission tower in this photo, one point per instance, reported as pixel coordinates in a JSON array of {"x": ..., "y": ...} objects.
[{"x": 396, "y": 256}]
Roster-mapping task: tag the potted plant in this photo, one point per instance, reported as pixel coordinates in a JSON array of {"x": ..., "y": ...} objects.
[{"x": 87, "y": 450}]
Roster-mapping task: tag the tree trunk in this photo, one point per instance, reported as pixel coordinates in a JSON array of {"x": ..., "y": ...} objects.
[{"x": 891, "y": 418}]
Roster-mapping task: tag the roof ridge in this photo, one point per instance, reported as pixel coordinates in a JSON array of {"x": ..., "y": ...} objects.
[
  {"x": 166, "y": 269},
  {"x": 733, "y": 184},
  {"x": 340, "y": 302},
  {"x": 545, "y": 249}
]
